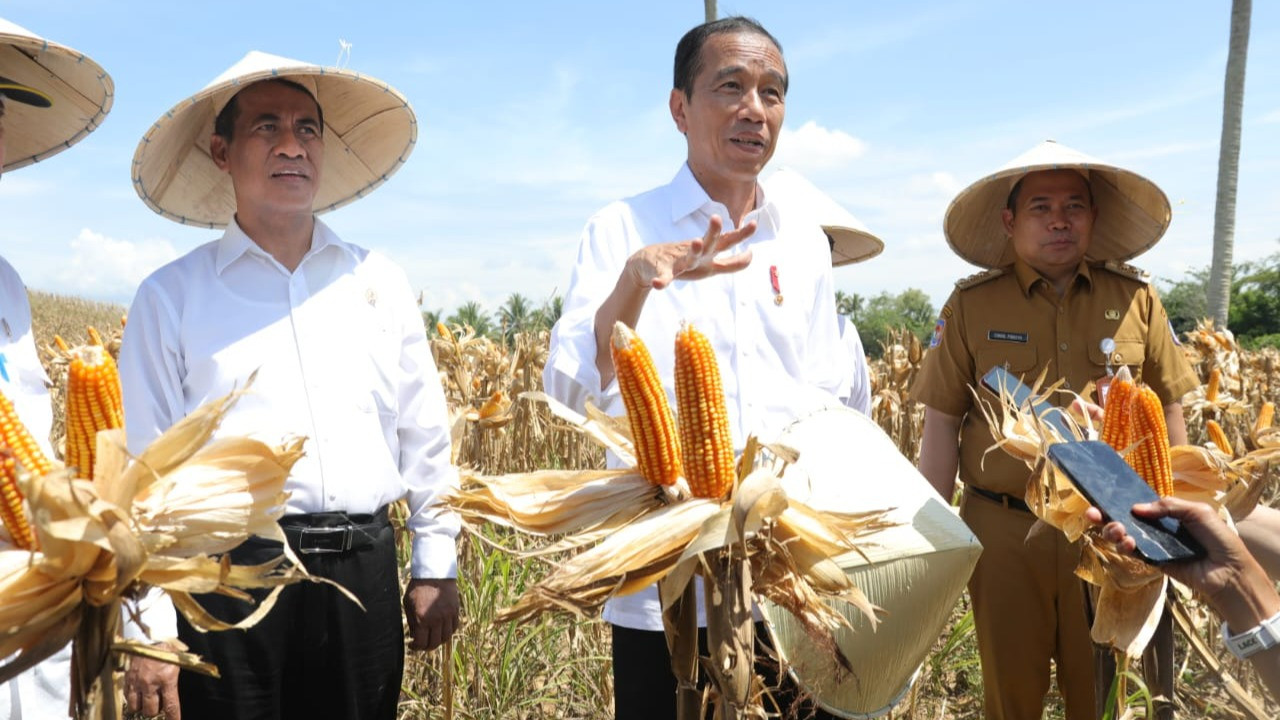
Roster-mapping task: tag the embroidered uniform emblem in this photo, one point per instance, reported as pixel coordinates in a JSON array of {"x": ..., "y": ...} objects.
[
  {"x": 946, "y": 312},
  {"x": 937, "y": 332},
  {"x": 1007, "y": 336},
  {"x": 371, "y": 297},
  {"x": 1111, "y": 314}
]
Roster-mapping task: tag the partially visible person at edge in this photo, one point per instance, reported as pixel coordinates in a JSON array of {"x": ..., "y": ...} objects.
[
  {"x": 1053, "y": 225},
  {"x": 1229, "y": 578},
  {"x": 850, "y": 242},
  {"x": 335, "y": 338},
  {"x": 36, "y": 121},
  {"x": 709, "y": 247}
]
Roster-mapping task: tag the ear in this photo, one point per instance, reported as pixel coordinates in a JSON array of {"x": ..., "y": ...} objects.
[
  {"x": 677, "y": 102},
  {"x": 218, "y": 151},
  {"x": 1006, "y": 218}
]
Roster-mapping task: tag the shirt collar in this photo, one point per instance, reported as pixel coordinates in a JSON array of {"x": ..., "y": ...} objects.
[
  {"x": 235, "y": 244},
  {"x": 1028, "y": 277},
  {"x": 688, "y": 197}
]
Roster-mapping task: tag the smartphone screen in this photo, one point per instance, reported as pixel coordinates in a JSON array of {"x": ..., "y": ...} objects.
[
  {"x": 998, "y": 379},
  {"x": 1107, "y": 481}
]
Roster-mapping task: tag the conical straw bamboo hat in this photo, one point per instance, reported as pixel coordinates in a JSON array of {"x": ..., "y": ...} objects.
[
  {"x": 851, "y": 241},
  {"x": 1133, "y": 212},
  {"x": 71, "y": 94},
  {"x": 915, "y": 570},
  {"x": 369, "y": 132}
]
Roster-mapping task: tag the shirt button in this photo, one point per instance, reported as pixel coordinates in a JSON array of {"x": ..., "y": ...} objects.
[{"x": 1063, "y": 347}]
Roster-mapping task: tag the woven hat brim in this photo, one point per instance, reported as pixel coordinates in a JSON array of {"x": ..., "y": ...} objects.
[
  {"x": 370, "y": 131},
  {"x": 850, "y": 246},
  {"x": 78, "y": 91},
  {"x": 1133, "y": 214}
]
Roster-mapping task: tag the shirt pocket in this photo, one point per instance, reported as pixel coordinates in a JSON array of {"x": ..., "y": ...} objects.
[
  {"x": 1131, "y": 352},
  {"x": 1021, "y": 360}
]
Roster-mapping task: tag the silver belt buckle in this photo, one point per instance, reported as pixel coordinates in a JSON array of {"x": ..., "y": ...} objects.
[{"x": 325, "y": 532}]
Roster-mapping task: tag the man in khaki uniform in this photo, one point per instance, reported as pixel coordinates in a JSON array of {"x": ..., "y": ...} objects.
[{"x": 1053, "y": 226}]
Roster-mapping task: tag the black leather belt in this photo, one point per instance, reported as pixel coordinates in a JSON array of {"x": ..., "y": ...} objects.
[
  {"x": 332, "y": 532},
  {"x": 1009, "y": 501}
]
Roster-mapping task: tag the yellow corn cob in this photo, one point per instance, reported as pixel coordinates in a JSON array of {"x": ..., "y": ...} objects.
[
  {"x": 443, "y": 331},
  {"x": 93, "y": 404},
  {"x": 62, "y": 344},
  {"x": 14, "y": 436},
  {"x": 1265, "y": 415},
  {"x": 1215, "y": 381},
  {"x": 95, "y": 338},
  {"x": 1151, "y": 457},
  {"x": 704, "y": 421},
  {"x": 1219, "y": 437},
  {"x": 1117, "y": 423},
  {"x": 652, "y": 426},
  {"x": 11, "y": 510},
  {"x": 492, "y": 405}
]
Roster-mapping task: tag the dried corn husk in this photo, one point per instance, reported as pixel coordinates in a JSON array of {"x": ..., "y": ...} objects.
[
  {"x": 1131, "y": 596},
  {"x": 640, "y": 534},
  {"x": 156, "y": 522}
]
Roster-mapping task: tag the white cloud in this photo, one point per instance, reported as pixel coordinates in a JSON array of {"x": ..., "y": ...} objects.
[
  {"x": 105, "y": 267},
  {"x": 813, "y": 147}
]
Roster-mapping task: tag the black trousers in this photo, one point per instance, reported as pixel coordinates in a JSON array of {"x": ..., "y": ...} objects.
[
  {"x": 316, "y": 654},
  {"x": 645, "y": 689}
]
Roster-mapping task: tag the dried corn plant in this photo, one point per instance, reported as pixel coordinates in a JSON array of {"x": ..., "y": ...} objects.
[
  {"x": 161, "y": 521},
  {"x": 645, "y": 522},
  {"x": 494, "y": 429},
  {"x": 891, "y": 378}
]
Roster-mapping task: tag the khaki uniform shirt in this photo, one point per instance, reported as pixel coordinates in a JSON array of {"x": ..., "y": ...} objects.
[{"x": 1012, "y": 316}]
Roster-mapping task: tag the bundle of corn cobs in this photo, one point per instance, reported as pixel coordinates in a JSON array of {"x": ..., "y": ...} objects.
[
  {"x": 83, "y": 540},
  {"x": 678, "y": 507}
]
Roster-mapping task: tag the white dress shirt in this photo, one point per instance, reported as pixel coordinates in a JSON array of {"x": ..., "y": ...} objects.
[
  {"x": 341, "y": 357},
  {"x": 859, "y": 397},
  {"x": 44, "y": 691},
  {"x": 778, "y": 360}
]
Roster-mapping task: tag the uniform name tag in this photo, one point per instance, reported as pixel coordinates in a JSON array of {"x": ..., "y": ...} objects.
[{"x": 1006, "y": 336}]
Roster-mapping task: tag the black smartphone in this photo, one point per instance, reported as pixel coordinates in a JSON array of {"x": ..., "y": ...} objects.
[
  {"x": 998, "y": 379},
  {"x": 1107, "y": 481}
]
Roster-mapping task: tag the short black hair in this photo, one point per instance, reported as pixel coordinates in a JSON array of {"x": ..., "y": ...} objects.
[
  {"x": 1012, "y": 202},
  {"x": 689, "y": 49},
  {"x": 224, "y": 125}
]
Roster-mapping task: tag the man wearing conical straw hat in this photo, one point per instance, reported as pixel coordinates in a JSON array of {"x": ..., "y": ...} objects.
[
  {"x": 332, "y": 336},
  {"x": 1053, "y": 227},
  {"x": 50, "y": 98},
  {"x": 851, "y": 243}
]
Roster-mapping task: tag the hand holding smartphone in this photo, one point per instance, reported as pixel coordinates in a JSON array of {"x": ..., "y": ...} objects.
[{"x": 1107, "y": 481}]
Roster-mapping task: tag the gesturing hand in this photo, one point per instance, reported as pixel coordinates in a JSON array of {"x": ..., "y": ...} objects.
[{"x": 655, "y": 266}]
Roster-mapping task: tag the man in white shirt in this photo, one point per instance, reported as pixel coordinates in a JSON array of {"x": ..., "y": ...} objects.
[
  {"x": 761, "y": 290},
  {"x": 35, "y": 123},
  {"x": 335, "y": 338}
]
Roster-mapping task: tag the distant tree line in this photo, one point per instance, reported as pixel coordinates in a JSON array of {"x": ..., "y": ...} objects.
[{"x": 1254, "y": 314}]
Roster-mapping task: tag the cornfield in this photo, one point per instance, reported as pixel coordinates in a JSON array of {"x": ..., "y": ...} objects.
[{"x": 558, "y": 667}]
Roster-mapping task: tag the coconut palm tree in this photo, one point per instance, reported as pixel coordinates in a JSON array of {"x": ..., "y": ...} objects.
[
  {"x": 473, "y": 316},
  {"x": 1224, "y": 216},
  {"x": 515, "y": 316}
]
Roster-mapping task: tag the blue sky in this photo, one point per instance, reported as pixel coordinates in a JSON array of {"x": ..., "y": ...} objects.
[{"x": 535, "y": 114}]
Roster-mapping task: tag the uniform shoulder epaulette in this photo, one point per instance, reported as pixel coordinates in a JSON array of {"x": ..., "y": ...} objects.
[
  {"x": 979, "y": 278},
  {"x": 1126, "y": 270}
]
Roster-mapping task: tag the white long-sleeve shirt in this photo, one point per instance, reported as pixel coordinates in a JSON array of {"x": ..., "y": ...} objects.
[
  {"x": 341, "y": 357},
  {"x": 44, "y": 691},
  {"x": 778, "y": 360},
  {"x": 859, "y": 397}
]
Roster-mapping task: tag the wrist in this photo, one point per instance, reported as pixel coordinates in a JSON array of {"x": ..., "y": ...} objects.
[{"x": 1246, "y": 600}]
